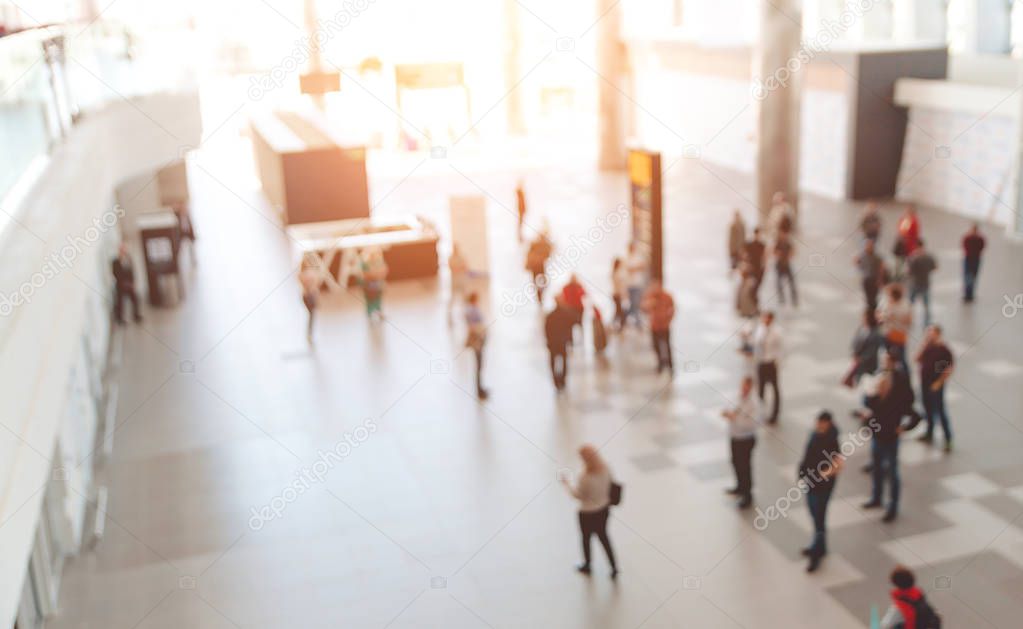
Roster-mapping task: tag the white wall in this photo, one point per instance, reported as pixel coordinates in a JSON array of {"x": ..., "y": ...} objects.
[
  {"x": 718, "y": 115},
  {"x": 41, "y": 340}
]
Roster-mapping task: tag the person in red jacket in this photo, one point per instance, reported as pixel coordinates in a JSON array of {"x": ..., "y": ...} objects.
[
  {"x": 909, "y": 237},
  {"x": 573, "y": 293},
  {"x": 660, "y": 308},
  {"x": 909, "y": 608}
]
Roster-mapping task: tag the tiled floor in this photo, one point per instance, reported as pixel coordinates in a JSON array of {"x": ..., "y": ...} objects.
[{"x": 448, "y": 514}]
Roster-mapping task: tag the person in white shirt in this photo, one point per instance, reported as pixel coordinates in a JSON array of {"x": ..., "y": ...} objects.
[
  {"x": 895, "y": 314},
  {"x": 638, "y": 267},
  {"x": 593, "y": 491},
  {"x": 767, "y": 350},
  {"x": 742, "y": 430}
]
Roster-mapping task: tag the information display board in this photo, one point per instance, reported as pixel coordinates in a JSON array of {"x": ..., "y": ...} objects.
[{"x": 647, "y": 224}]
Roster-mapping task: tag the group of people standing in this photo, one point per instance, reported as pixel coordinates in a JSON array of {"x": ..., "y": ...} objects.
[{"x": 751, "y": 254}]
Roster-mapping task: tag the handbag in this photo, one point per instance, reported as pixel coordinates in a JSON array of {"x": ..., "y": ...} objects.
[{"x": 616, "y": 493}]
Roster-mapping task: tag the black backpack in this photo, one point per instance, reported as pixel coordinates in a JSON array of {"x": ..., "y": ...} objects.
[{"x": 926, "y": 617}]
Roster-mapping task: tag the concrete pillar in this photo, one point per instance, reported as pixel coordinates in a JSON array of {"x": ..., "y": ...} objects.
[
  {"x": 1015, "y": 227},
  {"x": 920, "y": 21},
  {"x": 611, "y": 64},
  {"x": 779, "y": 72},
  {"x": 516, "y": 120}
]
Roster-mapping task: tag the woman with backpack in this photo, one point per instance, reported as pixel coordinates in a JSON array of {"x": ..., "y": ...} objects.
[{"x": 596, "y": 492}]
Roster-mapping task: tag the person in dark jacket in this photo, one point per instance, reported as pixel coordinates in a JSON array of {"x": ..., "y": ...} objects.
[
  {"x": 866, "y": 346},
  {"x": 973, "y": 245},
  {"x": 124, "y": 284},
  {"x": 558, "y": 329},
  {"x": 818, "y": 471},
  {"x": 886, "y": 409}
]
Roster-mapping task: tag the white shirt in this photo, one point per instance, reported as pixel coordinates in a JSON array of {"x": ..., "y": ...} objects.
[
  {"x": 746, "y": 419},
  {"x": 637, "y": 269},
  {"x": 767, "y": 345},
  {"x": 593, "y": 491},
  {"x": 896, "y": 316}
]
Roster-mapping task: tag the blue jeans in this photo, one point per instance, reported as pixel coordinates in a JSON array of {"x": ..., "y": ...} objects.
[
  {"x": 923, "y": 292},
  {"x": 635, "y": 298},
  {"x": 934, "y": 407},
  {"x": 885, "y": 461},
  {"x": 970, "y": 270},
  {"x": 817, "y": 501}
]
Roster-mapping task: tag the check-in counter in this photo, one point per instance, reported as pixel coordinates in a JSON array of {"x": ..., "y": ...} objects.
[{"x": 306, "y": 174}]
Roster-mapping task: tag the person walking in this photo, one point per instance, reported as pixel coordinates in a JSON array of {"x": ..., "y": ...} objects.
[
  {"x": 870, "y": 223},
  {"x": 593, "y": 491},
  {"x": 619, "y": 292},
  {"x": 782, "y": 217},
  {"x": 309, "y": 280},
  {"x": 909, "y": 608},
  {"x": 907, "y": 240},
  {"x": 520, "y": 202},
  {"x": 476, "y": 338},
  {"x": 374, "y": 276},
  {"x": 896, "y": 318},
  {"x": 921, "y": 265},
  {"x": 536, "y": 263},
  {"x": 822, "y": 462},
  {"x": 755, "y": 252},
  {"x": 736, "y": 239},
  {"x": 866, "y": 346},
  {"x": 639, "y": 269},
  {"x": 746, "y": 302},
  {"x": 574, "y": 296},
  {"x": 660, "y": 309},
  {"x": 742, "y": 432},
  {"x": 973, "y": 246},
  {"x": 871, "y": 268},
  {"x": 892, "y": 401},
  {"x": 459, "y": 269},
  {"x": 936, "y": 367},
  {"x": 784, "y": 251},
  {"x": 599, "y": 332},
  {"x": 767, "y": 350},
  {"x": 124, "y": 285},
  {"x": 558, "y": 330}
]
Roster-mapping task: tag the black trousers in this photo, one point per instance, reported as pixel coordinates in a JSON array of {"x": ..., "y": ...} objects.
[
  {"x": 742, "y": 463},
  {"x": 120, "y": 293},
  {"x": 870, "y": 288},
  {"x": 817, "y": 501},
  {"x": 784, "y": 275},
  {"x": 767, "y": 373},
  {"x": 662, "y": 347},
  {"x": 595, "y": 523},
  {"x": 559, "y": 367}
]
